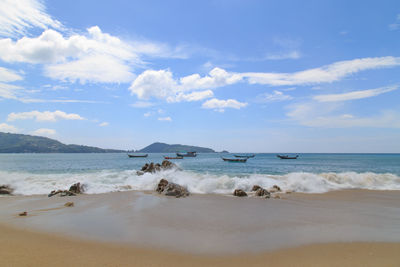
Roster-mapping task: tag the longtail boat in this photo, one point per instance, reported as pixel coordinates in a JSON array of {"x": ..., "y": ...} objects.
[
  {"x": 166, "y": 157},
  {"x": 187, "y": 154},
  {"x": 234, "y": 160},
  {"x": 287, "y": 157},
  {"x": 245, "y": 156},
  {"x": 137, "y": 156}
]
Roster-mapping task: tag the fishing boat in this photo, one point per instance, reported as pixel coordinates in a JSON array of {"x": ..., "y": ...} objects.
[
  {"x": 245, "y": 156},
  {"x": 166, "y": 157},
  {"x": 187, "y": 154},
  {"x": 234, "y": 160},
  {"x": 137, "y": 156},
  {"x": 287, "y": 157}
]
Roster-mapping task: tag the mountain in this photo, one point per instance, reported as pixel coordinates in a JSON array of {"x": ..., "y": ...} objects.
[
  {"x": 166, "y": 148},
  {"x": 21, "y": 143}
]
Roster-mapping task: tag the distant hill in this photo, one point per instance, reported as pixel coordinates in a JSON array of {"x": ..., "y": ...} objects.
[
  {"x": 21, "y": 143},
  {"x": 166, "y": 148}
]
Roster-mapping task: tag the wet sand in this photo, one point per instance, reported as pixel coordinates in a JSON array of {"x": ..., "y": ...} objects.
[{"x": 344, "y": 228}]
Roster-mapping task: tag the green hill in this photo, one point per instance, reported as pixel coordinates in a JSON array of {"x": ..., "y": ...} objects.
[
  {"x": 21, "y": 143},
  {"x": 166, "y": 148}
]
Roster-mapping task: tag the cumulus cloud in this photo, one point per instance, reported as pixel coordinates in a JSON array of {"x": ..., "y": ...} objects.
[
  {"x": 325, "y": 74},
  {"x": 194, "y": 96},
  {"x": 44, "y": 116},
  {"x": 18, "y": 16},
  {"x": 275, "y": 97},
  {"x": 44, "y": 132},
  {"x": 4, "y": 127},
  {"x": 354, "y": 95},
  {"x": 221, "y": 105},
  {"x": 161, "y": 84},
  {"x": 165, "y": 119}
]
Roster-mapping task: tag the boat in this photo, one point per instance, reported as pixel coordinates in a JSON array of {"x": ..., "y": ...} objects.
[
  {"x": 234, "y": 160},
  {"x": 287, "y": 157},
  {"x": 245, "y": 156},
  {"x": 166, "y": 157},
  {"x": 137, "y": 156},
  {"x": 187, "y": 154}
]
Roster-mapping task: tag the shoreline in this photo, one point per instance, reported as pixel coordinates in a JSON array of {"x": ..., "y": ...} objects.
[{"x": 29, "y": 248}]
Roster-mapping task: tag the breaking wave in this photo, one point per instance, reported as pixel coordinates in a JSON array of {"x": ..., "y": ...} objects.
[{"x": 104, "y": 181}]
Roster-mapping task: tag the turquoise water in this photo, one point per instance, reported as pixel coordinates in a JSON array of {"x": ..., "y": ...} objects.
[{"x": 207, "y": 173}]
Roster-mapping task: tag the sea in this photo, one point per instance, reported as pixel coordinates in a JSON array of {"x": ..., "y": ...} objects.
[{"x": 31, "y": 174}]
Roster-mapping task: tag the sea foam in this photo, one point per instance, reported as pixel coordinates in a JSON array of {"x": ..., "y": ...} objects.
[{"x": 104, "y": 181}]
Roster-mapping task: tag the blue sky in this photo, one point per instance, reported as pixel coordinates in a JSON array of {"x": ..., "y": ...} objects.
[{"x": 245, "y": 76}]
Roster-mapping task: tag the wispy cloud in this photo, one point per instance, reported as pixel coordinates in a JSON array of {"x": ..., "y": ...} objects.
[
  {"x": 44, "y": 132},
  {"x": 221, "y": 105},
  {"x": 275, "y": 97},
  {"x": 142, "y": 104},
  {"x": 396, "y": 25},
  {"x": 16, "y": 17},
  {"x": 104, "y": 124},
  {"x": 44, "y": 116},
  {"x": 165, "y": 119},
  {"x": 281, "y": 56},
  {"x": 7, "y": 128},
  {"x": 354, "y": 95}
]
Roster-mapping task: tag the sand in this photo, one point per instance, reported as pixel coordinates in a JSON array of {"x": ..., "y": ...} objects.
[{"x": 344, "y": 228}]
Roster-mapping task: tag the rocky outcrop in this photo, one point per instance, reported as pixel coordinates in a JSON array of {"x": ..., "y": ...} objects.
[
  {"x": 6, "y": 190},
  {"x": 171, "y": 189},
  {"x": 255, "y": 188},
  {"x": 261, "y": 192},
  {"x": 275, "y": 189},
  {"x": 74, "y": 189},
  {"x": 23, "y": 214},
  {"x": 239, "y": 193},
  {"x": 152, "y": 168}
]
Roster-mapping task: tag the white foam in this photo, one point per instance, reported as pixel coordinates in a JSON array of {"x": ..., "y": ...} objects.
[{"x": 111, "y": 180}]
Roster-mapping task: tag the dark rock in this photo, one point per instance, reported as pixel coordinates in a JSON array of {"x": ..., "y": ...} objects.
[
  {"x": 277, "y": 188},
  {"x": 239, "y": 193},
  {"x": 61, "y": 193},
  {"x": 255, "y": 188},
  {"x": 77, "y": 188},
  {"x": 261, "y": 192},
  {"x": 165, "y": 165},
  {"x": 23, "y": 213},
  {"x": 6, "y": 190},
  {"x": 145, "y": 166},
  {"x": 171, "y": 189}
]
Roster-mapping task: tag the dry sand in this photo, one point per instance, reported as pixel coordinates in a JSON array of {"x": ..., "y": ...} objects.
[{"x": 346, "y": 228}]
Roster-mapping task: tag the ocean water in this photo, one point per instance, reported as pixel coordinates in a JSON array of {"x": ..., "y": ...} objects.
[{"x": 207, "y": 173}]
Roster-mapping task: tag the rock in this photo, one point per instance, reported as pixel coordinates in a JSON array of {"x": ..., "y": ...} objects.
[
  {"x": 171, "y": 189},
  {"x": 289, "y": 191},
  {"x": 239, "y": 193},
  {"x": 261, "y": 192},
  {"x": 145, "y": 166},
  {"x": 161, "y": 185},
  {"x": 6, "y": 190},
  {"x": 255, "y": 188},
  {"x": 165, "y": 165},
  {"x": 61, "y": 193},
  {"x": 139, "y": 173},
  {"x": 23, "y": 213},
  {"x": 277, "y": 188},
  {"x": 77, "y": 188},
  {"x": 69, "y": 204}
]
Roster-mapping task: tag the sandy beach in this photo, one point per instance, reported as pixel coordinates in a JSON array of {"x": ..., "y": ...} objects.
[{"x": 341, "y": 228}]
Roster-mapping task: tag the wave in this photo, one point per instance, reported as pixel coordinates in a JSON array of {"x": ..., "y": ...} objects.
[{"x": 202, "y": 183}]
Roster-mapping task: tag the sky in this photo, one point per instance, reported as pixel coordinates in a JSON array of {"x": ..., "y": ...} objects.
[{"x": 242, "y": 76}]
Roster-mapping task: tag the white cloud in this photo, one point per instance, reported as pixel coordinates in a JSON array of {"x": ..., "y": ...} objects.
[
  {"x": 325, "y": 74},
  {"x": 9, "y": 91},
  {"x": 165, "y": 119},
  {"x": 148, "y": 114},
  {"x": 396, "y": 25},
  {"x": 44, "y": 116},
  {"x": 221, "y": 105},
  {"x": 354, "y": 95},
  {"x": 281, "y": 56},
  {"x": 104, "y": 124},
  {"x": 7, "y": 75},
  {"x": 327, "y": 115},
  {"x": 44, "y": 132},
  {"x": 194, "y": 96},
  {"x": 18, "y": 16},
  {"x": 161, "y": 84},
  {"x": 4, "y": 127},
  {"x": 275, "y": 97}
]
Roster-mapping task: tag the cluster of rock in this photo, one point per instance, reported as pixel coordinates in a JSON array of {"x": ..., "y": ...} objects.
[
  {"x": 6, "y": 190},
  {"x": 171, "y": 189},
  {"x": 74, "y": 189},
  {"x": 152, "y": 168},
  {"x": 260, "y": 192}
]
